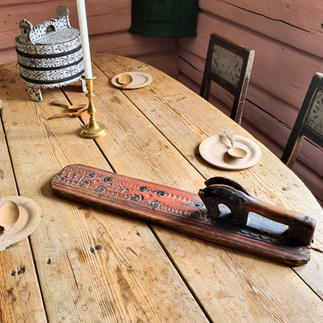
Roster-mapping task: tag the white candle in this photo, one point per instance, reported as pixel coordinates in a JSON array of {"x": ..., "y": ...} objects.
[{"x": 84, "y": 38}]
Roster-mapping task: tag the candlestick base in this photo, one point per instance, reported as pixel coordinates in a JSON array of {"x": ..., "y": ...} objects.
[{"x": 93, "y": 129}]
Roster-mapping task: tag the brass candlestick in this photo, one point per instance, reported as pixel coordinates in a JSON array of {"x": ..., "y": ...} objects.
[{"x": 93, "y": 129}]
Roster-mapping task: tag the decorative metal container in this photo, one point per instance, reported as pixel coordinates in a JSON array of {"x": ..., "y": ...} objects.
[{"x": 49, "y": 54}]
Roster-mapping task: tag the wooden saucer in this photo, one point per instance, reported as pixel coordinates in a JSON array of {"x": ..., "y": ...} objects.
[
  {"x": 214, "y": 150},
  {"x": 139, "y": 80},
  {"x": 29, "y": 217}
]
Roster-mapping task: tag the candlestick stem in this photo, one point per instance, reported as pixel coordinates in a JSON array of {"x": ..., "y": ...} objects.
[{"x": 93, "y": 129}]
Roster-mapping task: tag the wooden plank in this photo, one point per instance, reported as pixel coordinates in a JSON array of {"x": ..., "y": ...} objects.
[
  {"x": 165, "y": 62},
  {"x": 97, "y": 12},
  {"x": 8, "y": 40},
  {"x": 117, "y": 13},
  {"x": 213, "y": 272},
  {"x": 125, "y": 43},
  {"x": 8, "y": 56},
  {"x": 8, "y": 3},
  {"x": 295, "y": 13},
  {"x": 92, "y": 266},
  {"x": 18, "y": 278},
  {"x": 284, "y": 21},
  {"x": 112, "y": 37}
]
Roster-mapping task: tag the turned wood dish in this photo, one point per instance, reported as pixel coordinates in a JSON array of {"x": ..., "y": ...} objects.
[
  {"x": 49, "y": 54},
  {"x": 214, "y": 150}
]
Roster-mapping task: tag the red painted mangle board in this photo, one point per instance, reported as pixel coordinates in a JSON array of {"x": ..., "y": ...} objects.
[{"x": 223, "y": 212}]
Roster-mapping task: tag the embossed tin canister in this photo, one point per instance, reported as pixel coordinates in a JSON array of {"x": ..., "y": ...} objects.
[{"x": 49, "y": 54}]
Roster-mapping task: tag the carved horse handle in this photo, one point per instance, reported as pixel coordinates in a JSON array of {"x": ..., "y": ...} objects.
[{"x": 300, "y": 227}]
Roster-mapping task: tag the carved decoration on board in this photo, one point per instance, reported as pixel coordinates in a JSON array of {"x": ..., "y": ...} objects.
[
  {"x": 223, "y": 212},
  {"x": 146, "y": 195}
]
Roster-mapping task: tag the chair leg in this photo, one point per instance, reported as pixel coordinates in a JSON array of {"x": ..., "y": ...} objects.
[
  {"x": 289, "y": 156},
  {"x": 203, "y": 88}
]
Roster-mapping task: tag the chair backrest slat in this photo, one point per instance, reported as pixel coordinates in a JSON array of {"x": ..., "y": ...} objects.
[
  {"x": 229, "y": 65},
  {"x": 309, "y": 122}
]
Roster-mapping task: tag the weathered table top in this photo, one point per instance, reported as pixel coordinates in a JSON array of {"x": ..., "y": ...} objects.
[{"x": 84, "y": 265}]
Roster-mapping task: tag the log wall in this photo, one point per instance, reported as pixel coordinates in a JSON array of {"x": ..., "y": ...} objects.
[
  {"x": 108, "y": 22},
  {"x": 287, "y": 36}
]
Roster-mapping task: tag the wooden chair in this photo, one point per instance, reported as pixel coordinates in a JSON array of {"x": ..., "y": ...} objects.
[
  {"x": 229, "y": 65},
  {"x": 309, "y": 122}
]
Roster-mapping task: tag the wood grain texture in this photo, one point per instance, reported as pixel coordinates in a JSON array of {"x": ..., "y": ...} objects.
[
  {"x": 284, "y": 21},
  {"x": 175, "y": 116},
  {"x": 108, "y": 24},
  {"x": 288, "y": 53},
  {"x": 295, "y": 14},
  {"x": 117, "y": 13},
  {"x": 183, "y": 122},
  {"x": 273, "y": 61},
  {"x": 131, "y": 45},
  {"x": 165, "y": 62},
  {"x": 18, "y": 279},
  {"x": 92, "y": 266},
  {"x": 96, "y": 266},
  {"x": 252, "y": 114},
  {"x": 287, "y": 38}
]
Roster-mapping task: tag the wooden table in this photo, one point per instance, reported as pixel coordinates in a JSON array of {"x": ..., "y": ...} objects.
[{"x": 84, "y": 265}]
